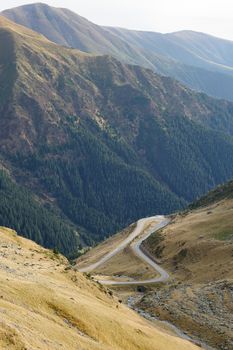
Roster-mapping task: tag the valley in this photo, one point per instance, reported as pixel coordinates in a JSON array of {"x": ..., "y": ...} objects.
[
  {"x": 195, "y": 248},
  {"x": 95, "y": 156},
  {"x": 116, "y": 190}
]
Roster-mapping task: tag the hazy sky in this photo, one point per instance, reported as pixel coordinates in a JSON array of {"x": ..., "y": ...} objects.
[{"x": 209, "y": 16}]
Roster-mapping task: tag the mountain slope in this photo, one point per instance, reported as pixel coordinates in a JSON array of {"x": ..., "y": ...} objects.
[
  {"x": 205, "y": 234},
  {"x": 22, "y": 211},
  {"x": 55, "y": 143},
  {"x": 98, "y": 139},
  {"x": 64, "y": 27},
  {"x": 191, "y": 48},
  {"x": 166, "y": 55},
  {"x": 222, "y": 192},
  {"x": 45, "y": 304},
  {"x": 196, "y": 249},
  {"x": 206, "y": 50}
]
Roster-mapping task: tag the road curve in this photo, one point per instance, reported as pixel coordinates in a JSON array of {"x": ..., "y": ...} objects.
[{"x": 161, "y": 222}]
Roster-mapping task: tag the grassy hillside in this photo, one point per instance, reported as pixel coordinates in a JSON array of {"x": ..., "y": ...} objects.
[
  {"x": 98, "y": 139},
  {"x": 191, "y": 48},
  {"x": 124, "y": 266},
  {"x": 197, "y": 60},
  {"x": 206, "y": 50},
  {"x": 196, "y": 242},
  {"x": 46, "y": 305},
  {"x": 66, "y": 28},
  {"x": 196, "y": 248}
]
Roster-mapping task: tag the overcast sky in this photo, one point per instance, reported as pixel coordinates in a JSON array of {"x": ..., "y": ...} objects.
[{"x": 209, "y": 16}]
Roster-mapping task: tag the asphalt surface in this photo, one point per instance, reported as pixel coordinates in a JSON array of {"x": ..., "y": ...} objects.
[{"x": 156, "y": 223}]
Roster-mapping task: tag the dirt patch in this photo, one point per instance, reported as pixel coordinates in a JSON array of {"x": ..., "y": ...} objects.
[
  {"x": 204, "y": 311},
  {"x": 10, "y": 339}
]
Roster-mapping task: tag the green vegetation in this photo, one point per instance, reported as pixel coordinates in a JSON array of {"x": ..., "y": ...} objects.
[
  {"x": 219, "y": 193},
  {"x": 154, "y": 243},
  {"x": 157, "y": 237},
  {"x": 94, "y": 187},
  {"x": 7, "y": 60},
  {"x": 224, "y": 235},
  {"x": 21, "y": 211}
]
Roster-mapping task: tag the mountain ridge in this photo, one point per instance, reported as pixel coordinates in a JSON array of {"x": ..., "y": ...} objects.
[{"x": 55, "y": 24}]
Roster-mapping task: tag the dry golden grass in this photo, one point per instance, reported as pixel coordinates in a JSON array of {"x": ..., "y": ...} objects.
[
  {"x": 127, "y": 264},
  {"x": 43, "y": 305},
  {"x": 105, "y": 247},
  {"x": 124, "y": 266},
  {"x": 198, "y": 246},
  {"x": 197, "y": 250}
]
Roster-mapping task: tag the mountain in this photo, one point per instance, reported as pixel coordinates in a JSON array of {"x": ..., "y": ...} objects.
[
  {"x": 204, "y": 231},
  {"x": 96, "y": 140},
  {"x": 46, "y": 304},
  {"x": 199, "y": 61},
  {"x": 189, "y": 47},
  {"x": 204, "y": 50},
  {"x": 66, "y": 28}
]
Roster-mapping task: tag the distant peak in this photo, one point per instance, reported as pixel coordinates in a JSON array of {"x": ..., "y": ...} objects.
[{"x": 35, "y": 5}]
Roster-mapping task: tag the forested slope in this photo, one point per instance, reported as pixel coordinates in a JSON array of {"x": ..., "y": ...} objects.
[
  {"x": 22, "y": 211},
  {"x": 103, "y": 142}
]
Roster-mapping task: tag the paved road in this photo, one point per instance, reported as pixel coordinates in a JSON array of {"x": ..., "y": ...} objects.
[{"x": 157, "y": 222}]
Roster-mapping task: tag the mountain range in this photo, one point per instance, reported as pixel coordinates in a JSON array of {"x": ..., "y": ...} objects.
[
  {"x": 95, "y": 134},
  {"x": 99, "y": 143},
  {"x": 200, "y": 61}
]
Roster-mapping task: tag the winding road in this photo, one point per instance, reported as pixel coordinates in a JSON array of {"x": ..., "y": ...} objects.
[{"x": 155, "y": 223}]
